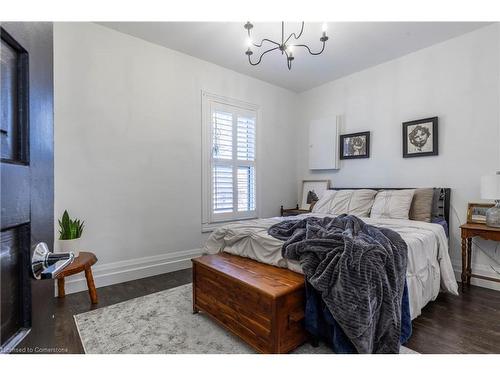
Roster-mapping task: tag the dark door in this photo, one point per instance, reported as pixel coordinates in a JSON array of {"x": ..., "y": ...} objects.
[{"x": 27, "y": 179}]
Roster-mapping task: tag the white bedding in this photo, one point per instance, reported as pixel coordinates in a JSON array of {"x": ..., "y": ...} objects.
[{"x": 429, "y": 265}]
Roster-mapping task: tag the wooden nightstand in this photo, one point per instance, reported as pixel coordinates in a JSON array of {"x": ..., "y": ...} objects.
[
  {"x": 468, "y": 231},
  {"x": 292, "y": 211}
]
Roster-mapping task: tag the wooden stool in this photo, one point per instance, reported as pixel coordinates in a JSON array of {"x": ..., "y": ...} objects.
[{"x": 82, "y": 263}]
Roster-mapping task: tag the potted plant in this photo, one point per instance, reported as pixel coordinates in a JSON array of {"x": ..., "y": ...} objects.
[{"x": 70, "y": 232}]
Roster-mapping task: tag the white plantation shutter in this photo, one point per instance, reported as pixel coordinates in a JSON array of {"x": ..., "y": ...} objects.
[
  {"x": 232, "y": 162},
  {"x": 222, "y": 135},
  {"x": 222, "y": 188},
  {"x": 246, "y": 188},
  {"x": 246, "y": 138}
]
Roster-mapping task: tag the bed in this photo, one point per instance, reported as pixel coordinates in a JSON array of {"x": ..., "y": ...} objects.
[{"x": 429, "y": 268}]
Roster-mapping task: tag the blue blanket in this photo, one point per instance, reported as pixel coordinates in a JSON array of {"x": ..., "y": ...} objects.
[{"x": 320, "y": 324}]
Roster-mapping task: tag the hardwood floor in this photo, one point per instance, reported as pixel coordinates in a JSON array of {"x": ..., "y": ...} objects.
[{"x": 469, "y": 323}]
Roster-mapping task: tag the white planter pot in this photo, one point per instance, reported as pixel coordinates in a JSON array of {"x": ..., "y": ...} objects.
[{"x": 65, "y": 246}]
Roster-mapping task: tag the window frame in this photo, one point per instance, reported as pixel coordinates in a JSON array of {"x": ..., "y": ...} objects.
[{"x": 210, "y": 220}]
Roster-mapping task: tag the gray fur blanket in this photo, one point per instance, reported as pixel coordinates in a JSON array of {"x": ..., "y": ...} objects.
[{"x": 359, "y": 270}]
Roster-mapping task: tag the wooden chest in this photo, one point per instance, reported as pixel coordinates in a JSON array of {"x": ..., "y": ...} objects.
[{"x": 262, "y": 304}]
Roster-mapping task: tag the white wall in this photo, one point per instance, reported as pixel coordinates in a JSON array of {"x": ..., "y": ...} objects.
[
  {"x": 457, "y": 80},
  {"x": 128, "y": 147},
  {"x": 128, "y": 138}
]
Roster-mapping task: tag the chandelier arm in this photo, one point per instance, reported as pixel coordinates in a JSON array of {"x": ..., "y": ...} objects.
[
  {"x": 260, "y": 58},
  {"x": 265, "y": 40},
  {"x": 258, "y": 45},
  {"x": 282, "y": 32},
  {"x": 309, "y": 50},
  {"x": 295, "y": 36}
]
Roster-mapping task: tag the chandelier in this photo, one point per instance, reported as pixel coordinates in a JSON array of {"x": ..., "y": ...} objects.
[{"x": 286, "y": 46}]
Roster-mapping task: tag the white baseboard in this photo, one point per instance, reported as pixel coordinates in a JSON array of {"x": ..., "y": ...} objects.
[
  {"x": 479, "y": 269},
  {"x": 132, "y": 269}
]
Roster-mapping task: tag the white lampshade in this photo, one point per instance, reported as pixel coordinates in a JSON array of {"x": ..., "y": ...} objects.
[{"x": 490, "y": 186}]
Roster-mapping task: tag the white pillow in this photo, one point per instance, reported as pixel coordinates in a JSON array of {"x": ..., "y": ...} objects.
[
  {"x": 392, "y": 204},
  {"x": 322, "y": 206},
  {"x": 353, "y": 202}
]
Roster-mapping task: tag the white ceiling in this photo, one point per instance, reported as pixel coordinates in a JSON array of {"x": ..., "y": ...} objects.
[{"x": 353, "y": 46}]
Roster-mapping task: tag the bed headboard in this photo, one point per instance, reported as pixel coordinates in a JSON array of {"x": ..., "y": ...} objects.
[{"x": 440, "y": 203}]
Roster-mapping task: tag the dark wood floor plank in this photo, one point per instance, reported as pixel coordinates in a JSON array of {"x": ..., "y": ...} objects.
[{"x": 468, "y": 323}]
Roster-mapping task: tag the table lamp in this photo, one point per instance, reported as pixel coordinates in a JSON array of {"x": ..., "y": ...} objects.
[{"x": 490, "y": 189}]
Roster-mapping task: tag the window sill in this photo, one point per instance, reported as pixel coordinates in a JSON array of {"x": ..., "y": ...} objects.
[{"x": 210, "y": 227}]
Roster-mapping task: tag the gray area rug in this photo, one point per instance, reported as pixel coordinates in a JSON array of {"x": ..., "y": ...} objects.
[{"x": 163, "y": 323}]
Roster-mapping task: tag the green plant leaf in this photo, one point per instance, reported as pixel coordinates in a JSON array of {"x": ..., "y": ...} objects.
[
  {"x": 80, "y": 228},
  {"x": 65, "y": 219},
  {"x": 70, "y": 229}
]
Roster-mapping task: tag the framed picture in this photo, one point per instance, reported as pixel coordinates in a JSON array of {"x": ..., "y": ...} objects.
[
  {"x": 355, "y": 145},
  {"x": 312, "y": 190},
  {"x": 476, "y": 212},
  {"x": 420, "y": 137}
]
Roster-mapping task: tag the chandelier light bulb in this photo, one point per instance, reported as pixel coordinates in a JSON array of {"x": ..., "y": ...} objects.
[
  {"x": 289, "y": 50},
  {"x": 324, "y": 27},
  {"x": 248, "y": 42}
]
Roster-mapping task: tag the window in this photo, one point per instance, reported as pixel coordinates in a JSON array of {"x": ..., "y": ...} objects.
[{"x": 229, "y": 167}]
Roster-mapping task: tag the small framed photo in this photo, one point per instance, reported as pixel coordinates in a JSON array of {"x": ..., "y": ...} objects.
[
  {"x": 476, "y": 212},
  {"x": 312, "y": 190},
  {"x": 420, "y": 137},
  {"x": 355, "y": 145}
]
